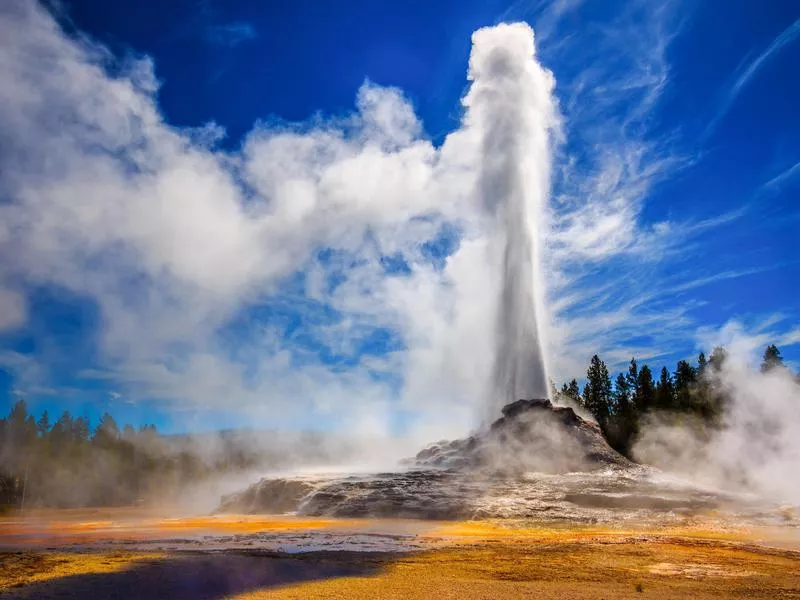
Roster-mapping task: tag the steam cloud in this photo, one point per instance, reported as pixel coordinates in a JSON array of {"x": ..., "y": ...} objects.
[
  {"x": 757, "y": 448},
  {"x": 177, "y": 242}
]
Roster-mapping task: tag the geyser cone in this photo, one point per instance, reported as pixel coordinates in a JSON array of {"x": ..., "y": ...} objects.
[{"x": 511, "y": 105}]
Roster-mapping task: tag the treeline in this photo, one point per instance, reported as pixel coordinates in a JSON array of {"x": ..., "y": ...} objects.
[
  {"x": 67, "y": 464},
  {"x": 691, "y": 390}
]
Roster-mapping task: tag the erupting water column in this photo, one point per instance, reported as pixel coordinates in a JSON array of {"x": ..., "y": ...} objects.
[{"x": 510, "y": 105}]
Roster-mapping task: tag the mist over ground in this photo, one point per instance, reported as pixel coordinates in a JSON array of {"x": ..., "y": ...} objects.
[{"x": 756, "y": 444}]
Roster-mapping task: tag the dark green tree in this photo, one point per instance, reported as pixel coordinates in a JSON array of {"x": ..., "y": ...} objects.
[
  {"x": 21, "y": 433},
  {"x": 107, "y": 430},
  {"x": 60, "y": 435},
  {"x": 67, "y": 464},
  {"x": 718, "y": 357},
  {"x": 646, "y": 390},
  {"x": 572, "y": 391},
  {"x": 623, "y": 423},
  {"x": 597, "y": 391},
  {"x": 622, "y": 394},
  {"x": 633, "y": 382},
  {"x": 664, "y": 392},
  {"x": 43, "y": 425},
  {"x": 81, "y": 430},
  {"x": 19, "y": 415},
  {"x": 772, "y": 359},
  {"x": 705, "y": 395},
  {"x": 685, "y": 379},
  {"x": 129, "y": 433}
]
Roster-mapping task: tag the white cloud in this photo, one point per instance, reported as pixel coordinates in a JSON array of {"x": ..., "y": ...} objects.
[
  {"x": 177, "y": 242},
  {"x": 13, "y": 312},
  {"x": 173, "y": 240}
]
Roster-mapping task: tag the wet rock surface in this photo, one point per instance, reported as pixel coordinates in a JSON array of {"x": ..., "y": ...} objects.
[
  {"x": 537, "y": 461},
  {"x": 268, "y": 496}
]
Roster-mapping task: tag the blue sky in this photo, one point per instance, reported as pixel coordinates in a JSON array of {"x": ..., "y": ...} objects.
[{"x": 673, "y": 215}]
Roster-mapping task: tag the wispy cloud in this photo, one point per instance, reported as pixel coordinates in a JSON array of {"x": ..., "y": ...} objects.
[
  {"x": 603, "y": 259},
  {"x": 777, "y": 183},
  {"x": 786, "y": 37},
  {"x": 205, "y": 22},
  {"x": 685, "y": 286},
  {"x": 230, "y": 34},
  {"x": 618, "y": 281}
]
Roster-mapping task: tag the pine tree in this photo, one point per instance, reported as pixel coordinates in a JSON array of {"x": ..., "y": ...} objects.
[
  {"x": 646, "y": 390},
  {"x": 772, "y": 359},
  {"x": 606, "y": 382},
  {"x": 685, "y": 379},
  {"x": 61, "y": 433},
  {"x": 633, "y": 382},
  {"x": 21, "y": 432},
  {"x": 56, "y": 465},
  {"x": 718, "y": 357},
  {"x": 43, "y": 424},
  {"x": 597, "y": 392},
  {"x": 702, "y": 364},
  {"x": 705, "y": 402},
  {"x": 623, "y": 426},
  {"x": 129, "y": 433},
  {"x": 665, "y": 391},
  {"x": 18, "y": 415},
  {"x": 622, "y": 394},
  {"x": 572, "y": 392},
  {"x": 80, "y": 430},
  {"x": 107, "y": 430},
  {"x": 623, "y": 398}
]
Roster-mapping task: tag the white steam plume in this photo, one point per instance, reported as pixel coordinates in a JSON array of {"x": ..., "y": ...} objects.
[{"x": 511, "y": 102}]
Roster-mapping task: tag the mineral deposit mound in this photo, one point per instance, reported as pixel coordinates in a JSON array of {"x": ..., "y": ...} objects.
[
  {"x": 536, "y": 461},
  {"x": 532, "y": 435}
]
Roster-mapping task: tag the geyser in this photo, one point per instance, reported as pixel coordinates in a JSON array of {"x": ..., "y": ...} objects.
[
  {"x": 509, "y": 470},
  {"x": 511, "y": 103},
  {"x": 537, "y": 460}
]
